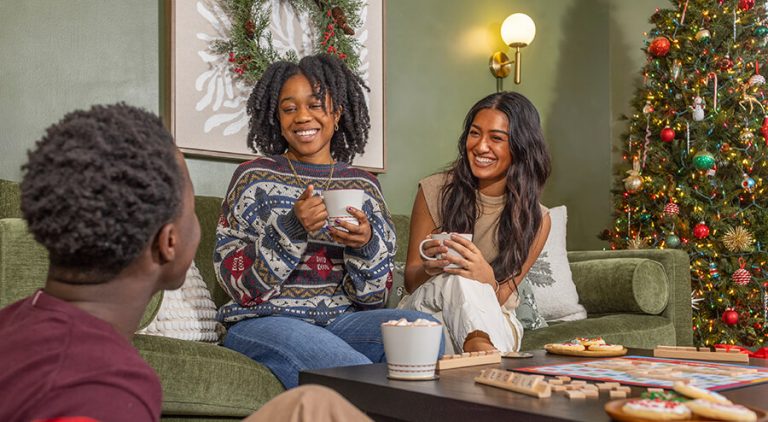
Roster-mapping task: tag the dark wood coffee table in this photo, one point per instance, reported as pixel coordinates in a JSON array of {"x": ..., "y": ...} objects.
[{"x": 456, "y": 397}]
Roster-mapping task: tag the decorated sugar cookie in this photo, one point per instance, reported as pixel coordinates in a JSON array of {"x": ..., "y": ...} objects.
[
  {"x": 724, "y": 412},
  {"x": 694, "y": 392},
  {"x": 661, "y": 410},
  {"x": 605, "y": 347}
]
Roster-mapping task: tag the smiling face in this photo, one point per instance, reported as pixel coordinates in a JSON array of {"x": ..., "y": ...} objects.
[
  {"x": 303, "y": 122},
  {"x": 488, "y": 150}
]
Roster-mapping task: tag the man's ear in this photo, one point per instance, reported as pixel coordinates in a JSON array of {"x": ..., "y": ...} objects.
[{"x": 166, "y": 241}]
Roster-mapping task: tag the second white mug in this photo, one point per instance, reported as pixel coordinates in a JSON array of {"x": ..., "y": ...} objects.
[{"x": 442, "y": 237}]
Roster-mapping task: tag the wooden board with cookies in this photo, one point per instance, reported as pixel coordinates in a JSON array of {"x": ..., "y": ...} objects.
[{"x": 587, "y": 347}]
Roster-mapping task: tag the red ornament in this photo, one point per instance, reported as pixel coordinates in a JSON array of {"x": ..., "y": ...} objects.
[
  {"x": 741, "y": 277},
  {"x": 671, "y": 209},
  {"x": 746, "y": 4},
  {"x": 667, "y": 134},
  {"x": 725, "y": 64},
  {"x": 659, "y": 47},
  {"x": 730, "y": 317},
  {"x": 700, "y": 231},
  {"x": 764, "y": 129},
  {"x": 758, "y": 326}
]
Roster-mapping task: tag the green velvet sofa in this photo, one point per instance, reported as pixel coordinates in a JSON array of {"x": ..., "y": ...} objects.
[{"x": 637, "y": 298}]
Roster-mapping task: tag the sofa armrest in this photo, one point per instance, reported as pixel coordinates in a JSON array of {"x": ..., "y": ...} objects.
[
  {"x": 621, "y": 285},
  {"x": 677, "y": 267}
]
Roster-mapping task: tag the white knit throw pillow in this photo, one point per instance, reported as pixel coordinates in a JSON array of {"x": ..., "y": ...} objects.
[{"x": 187, "y": 313}]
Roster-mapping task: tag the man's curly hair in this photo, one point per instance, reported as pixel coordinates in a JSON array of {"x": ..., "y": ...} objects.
[
  {"x": 328, "y": 74},
  {"x": 97, "y": 187}
]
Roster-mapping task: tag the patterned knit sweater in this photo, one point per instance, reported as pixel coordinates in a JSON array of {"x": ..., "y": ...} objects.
[{"x": 270, "y": 265}]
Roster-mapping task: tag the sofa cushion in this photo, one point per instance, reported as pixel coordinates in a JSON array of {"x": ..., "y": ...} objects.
[
  {"x": 631, "y": 330},
  {"x": 205, "y": 379},
  {"x": 621, "y": 285},
  {"x": 24, "y": 266},
  {"x": 10, "y": 199},
  {"x": 550, "y": 276}
]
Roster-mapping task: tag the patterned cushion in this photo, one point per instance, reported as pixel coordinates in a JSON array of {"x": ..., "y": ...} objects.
[{"x": 187, "y": 313}]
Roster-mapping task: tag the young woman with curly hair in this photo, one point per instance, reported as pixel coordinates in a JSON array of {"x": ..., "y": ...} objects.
[
  {"x": 492, "y": 191},
  {"x": 296, "y": 285}
]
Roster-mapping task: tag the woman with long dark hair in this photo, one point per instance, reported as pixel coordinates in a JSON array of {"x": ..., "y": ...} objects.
[{"x": 491, "y": 191}]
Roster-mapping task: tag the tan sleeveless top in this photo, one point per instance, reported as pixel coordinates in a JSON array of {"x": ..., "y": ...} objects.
[{"x": 487, "y": 223}]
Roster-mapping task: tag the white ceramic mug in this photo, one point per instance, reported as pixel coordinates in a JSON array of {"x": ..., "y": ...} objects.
[
  {"x": 442, "y": 237},
  {"x": 336, "y": 203},
  {"x": 412, "y": 350}
]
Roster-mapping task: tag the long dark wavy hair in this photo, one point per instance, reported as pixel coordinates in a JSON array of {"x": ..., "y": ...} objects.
[
  {"x": 328, "y": 74},
  {"x": 521, "y": 217}
]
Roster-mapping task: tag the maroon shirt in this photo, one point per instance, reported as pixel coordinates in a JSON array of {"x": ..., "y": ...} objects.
[{"x": 57, "y": 360}]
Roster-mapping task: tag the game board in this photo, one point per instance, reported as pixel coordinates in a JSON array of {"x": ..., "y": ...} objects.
[{"x": 656, "y": 372}]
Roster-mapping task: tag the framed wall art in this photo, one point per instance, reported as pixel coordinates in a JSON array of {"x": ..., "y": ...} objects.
[{"x": 204, "y": 93}]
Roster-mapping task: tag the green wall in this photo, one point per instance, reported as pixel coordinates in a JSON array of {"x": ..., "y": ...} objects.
[{"x": 579, "y": 71}]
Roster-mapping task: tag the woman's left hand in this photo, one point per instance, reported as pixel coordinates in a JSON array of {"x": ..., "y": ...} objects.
[
  {"x": 357, "y": 235},
  {"x": 471, "y": 262}
]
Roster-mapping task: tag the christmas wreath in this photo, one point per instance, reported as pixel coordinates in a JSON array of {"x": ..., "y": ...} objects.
[{"x": 250, "y": 48}]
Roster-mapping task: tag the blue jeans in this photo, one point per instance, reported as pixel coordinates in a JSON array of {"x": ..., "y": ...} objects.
[{"x": 288, "y": 345}]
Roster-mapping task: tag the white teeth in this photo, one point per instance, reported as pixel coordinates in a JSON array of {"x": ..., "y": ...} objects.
[
  {"x": 306, "y": 132},
  {"x": 482, "y": 160}
]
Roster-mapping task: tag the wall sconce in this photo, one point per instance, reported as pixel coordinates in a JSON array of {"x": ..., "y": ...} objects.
[{"x": 517, "y": 31}]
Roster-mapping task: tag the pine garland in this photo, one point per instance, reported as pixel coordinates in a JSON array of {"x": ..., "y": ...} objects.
[{"x": 250, "y": 48}]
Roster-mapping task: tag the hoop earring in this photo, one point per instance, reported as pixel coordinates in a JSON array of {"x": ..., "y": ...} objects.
[{"x": 336, "y": 126}]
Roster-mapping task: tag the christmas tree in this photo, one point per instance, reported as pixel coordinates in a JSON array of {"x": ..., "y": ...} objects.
[{"x": 695, "y": 161}]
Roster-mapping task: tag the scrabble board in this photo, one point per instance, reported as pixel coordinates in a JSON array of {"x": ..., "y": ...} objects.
[{"x": 657, "y": 372}]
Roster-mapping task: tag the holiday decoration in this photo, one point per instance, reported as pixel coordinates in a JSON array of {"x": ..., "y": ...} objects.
[
  {"x": 746, "y": 4},
  {"x": 701, "y": 230},
  {"x": 703, "y": 80},
  {"x": 731, "y": 317},
  {"x": 725, "y": 64},
  {"x": 637, "y": 243},
  {"x": 672, "y": 241},
  {"x": 671, "y": 209},
  {"x": 747, "y": 183},
  {"x": 738, "y": 239},
  {"x": 659, "y": 47},
  {"x": 633, "y": 182},
  {"x": 703, "y": 160},
  {"x": 746, "y": 137},
  {"x": 702, "y": 36},
  {"x": 713, "y": 271},
  {"x": 741, "y": 276},
  {"x": 250, "y": 47},
  {"x": 764, "y": 129},
  {"x": 667, "y": 134}
]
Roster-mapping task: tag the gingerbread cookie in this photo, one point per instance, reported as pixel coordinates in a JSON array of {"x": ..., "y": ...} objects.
[
  {"x": 694, "y": 392},
  {"x": 723, "y": 412},
  {"x": 661, "y": 410}
]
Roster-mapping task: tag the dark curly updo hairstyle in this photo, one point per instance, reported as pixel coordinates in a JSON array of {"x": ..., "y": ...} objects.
[
  {"x": 521, "y": 217},
  {"x": 328, "y": 74},
  {"x": 96, "y": 189}
]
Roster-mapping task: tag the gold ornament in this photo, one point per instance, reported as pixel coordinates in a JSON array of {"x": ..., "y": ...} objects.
[
  {"x": 738, "y": 239},
  {"x": 633, "y": 182},
  {"x": 637, "y": 243}
]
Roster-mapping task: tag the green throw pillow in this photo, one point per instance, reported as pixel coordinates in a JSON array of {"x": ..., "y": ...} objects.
[{"x": 527, "y": 312}]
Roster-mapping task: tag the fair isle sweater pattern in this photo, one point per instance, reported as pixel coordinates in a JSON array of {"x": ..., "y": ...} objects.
[{"x": 268, "y": 263}]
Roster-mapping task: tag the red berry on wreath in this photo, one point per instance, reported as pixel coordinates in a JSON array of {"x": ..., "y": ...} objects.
[
  {"x": 701, "y": 230},
  {"x": 667, "y": 134},
  {"x": 746, "y": 4}
]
